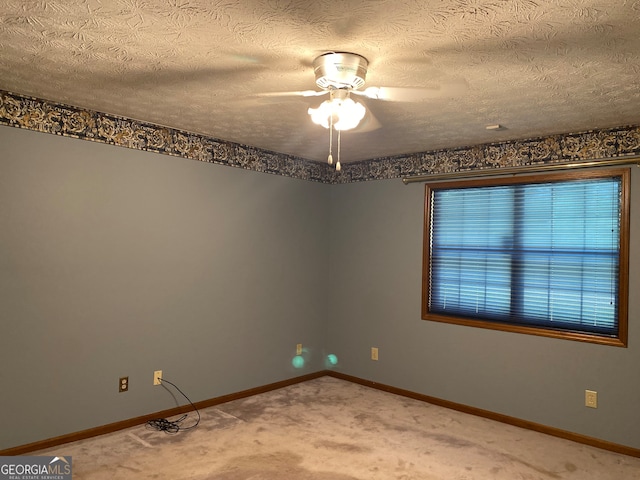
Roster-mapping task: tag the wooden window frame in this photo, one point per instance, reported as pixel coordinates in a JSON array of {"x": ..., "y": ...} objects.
[{"x": 623, "y": 273}]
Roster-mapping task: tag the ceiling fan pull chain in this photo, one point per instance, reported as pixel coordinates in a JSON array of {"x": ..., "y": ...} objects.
[
  {"x": 330, "y": 158},
  {"x": 338, "y": 167}
]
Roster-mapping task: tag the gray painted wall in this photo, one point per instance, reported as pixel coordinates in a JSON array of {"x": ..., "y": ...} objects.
[
  {"x": 376, "y": 262},
  {"x": 118, "y": 262}
]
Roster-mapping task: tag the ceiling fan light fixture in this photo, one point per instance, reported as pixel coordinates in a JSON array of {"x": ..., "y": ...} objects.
[
  {"x": 339, "y": 111},
  {"x": 349, "y": 115},
  {"x": 339, "y": 73}
]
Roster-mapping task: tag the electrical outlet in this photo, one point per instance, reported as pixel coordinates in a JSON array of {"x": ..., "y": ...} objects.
[
  {"x": 299, "y": 349},
  {"x": 374, "y": 353},
  {"x": 590, "y": 399},
  {"x": 123, "y": 385},
  {"x": 157, "y": 377}
]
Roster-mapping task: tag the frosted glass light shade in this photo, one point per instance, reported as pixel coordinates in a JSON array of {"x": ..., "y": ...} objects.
[{"x": 345, "y": 112}]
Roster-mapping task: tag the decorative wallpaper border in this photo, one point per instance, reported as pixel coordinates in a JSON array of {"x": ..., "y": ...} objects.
[
  {"x": 49, "y": 117},
  {"x": 572, "y": 147}
]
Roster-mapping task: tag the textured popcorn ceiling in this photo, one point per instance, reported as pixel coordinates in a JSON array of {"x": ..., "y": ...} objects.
[{"x": 537, "y": 67}]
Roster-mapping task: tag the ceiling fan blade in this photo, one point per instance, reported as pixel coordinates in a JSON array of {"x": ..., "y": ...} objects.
[
  {"x": 368, "y": 123},
  {"x": 300, "y": 93},
  {"x": 222, "y": 67},
  {"x": 409, "y": 94},
  {"x": 174, "y": 77}
]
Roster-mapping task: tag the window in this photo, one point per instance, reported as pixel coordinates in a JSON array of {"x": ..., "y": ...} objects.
[{"x": 544, "y": 254}]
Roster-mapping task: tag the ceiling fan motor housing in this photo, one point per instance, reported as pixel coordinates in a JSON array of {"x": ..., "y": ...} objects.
[{"x": 340, "y": 70}]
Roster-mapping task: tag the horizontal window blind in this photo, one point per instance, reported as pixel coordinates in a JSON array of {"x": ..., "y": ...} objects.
[{"x": 541, "y": 254}]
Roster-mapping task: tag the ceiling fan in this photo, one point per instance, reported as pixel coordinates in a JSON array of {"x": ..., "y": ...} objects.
[{"x": 343, "y": 74}]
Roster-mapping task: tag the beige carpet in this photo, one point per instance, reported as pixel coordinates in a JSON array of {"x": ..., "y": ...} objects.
[{"x": 330, "y": 429}]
